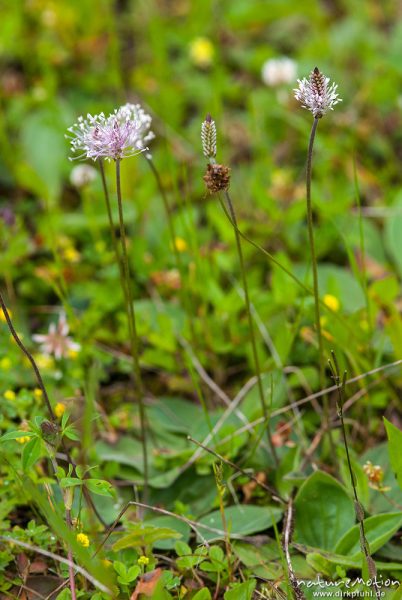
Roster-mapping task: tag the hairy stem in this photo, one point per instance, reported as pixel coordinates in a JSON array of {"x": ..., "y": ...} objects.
[
  {"x": 251, "y": 324},
  {"x": 132, "y": 329}
]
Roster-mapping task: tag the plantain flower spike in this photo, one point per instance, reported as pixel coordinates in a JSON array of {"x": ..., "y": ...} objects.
[{"x": 316, "y": 94}]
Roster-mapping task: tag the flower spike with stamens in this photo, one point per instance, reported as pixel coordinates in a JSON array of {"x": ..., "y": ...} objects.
[
  {"x": 316, "y": 95},
  {"x": 122, "y": 134},
  {"x": 208, "y": 138}
]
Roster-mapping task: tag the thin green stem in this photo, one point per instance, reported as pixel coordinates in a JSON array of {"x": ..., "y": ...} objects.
[
  {"x": 113, "y": 232},
  {"x": 251, "y": 324},
  {"x": 312, "y": 251},
  {"x": 132, "y": 328}
]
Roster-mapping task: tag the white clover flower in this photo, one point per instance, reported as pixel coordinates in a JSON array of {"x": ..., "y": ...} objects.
[
  {"x": 208, "y": 137},
  {"x": 81, "y": 175},
  {"x": 56, "y": 341},
  {"x": 316, "y": 95},
  {"x": 122, "y": 134},
  {"x": 278, "y": 71}
]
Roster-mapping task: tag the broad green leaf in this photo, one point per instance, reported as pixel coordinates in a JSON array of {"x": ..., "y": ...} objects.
[
  {"x": 145, "y": 535},
  {"x": 378, "y": 529},
  {"x": 242, "y": 519},
  {"x": 394, "y": 448},
  {"x": 241, "y": 591},
  {"x": 182, "y": 529},
  {"x": 99, "y": 486},
  {"x": 31, "y": 453},
  {"x": 66, "y": 482},
  {"x": 324, "y": 512},
  {"x": 322, "y": 560}
]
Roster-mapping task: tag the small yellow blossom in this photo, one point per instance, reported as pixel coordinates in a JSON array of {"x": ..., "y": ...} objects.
[
  {"x": 71, "y": 255},
  {"x": 106, "y": 563},
  {"x": 323, "y": 321},
  {"x": 9, "y": 395},
  {"x": 23, "y": 439},
  {"x": 2, "y": 316},
  {"x": 83, "y": 539},
  {"x": 201, "y": 52},
  {"x": 143, "y": 561},
  {"x": 72, "y": 354},
  {"x": 180, "y": 244},
  {"x": 59, "y": 409},
  {"x": 37, "y": 394},
  {"x": 5, "y": 364},
  {"x": 332, "y": 302},
  {"x": 44, "y": 362}
]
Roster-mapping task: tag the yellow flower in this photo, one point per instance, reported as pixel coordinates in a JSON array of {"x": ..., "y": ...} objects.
[
  {"x": 37, "y": 394},
  {"x": 5, "y": 364},
  {"x": 44, "y": 362},
  {"x": 73, "y": 354},
  {"x": 23, "y": 439},
  {"x": 9, "y": 395},
  {"x": 106, "y": 563},
  {"x": 201, "y": 52},
  {"x": 83, "y": 539},
  {"x": 332, "y": 302},
  {"x": 180, "y": 244},
  {"x": 59, "y": 409},
  {"x": 3, "y": 318},
  {"x": 71, "y": 255},
  {"x": 143, "y": 561}
]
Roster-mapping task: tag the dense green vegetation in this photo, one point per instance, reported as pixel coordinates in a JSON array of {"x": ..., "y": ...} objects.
[{"x": 269, "y": 502}]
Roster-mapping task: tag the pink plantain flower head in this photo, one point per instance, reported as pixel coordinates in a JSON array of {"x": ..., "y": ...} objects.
[
  {"x": 56, "y": 341},
  {"x": 316, "y": 94},
  {"x": 122, "y": 134}
]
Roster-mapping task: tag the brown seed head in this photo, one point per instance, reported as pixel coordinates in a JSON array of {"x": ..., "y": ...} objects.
[{"x": 217, "y": 178}]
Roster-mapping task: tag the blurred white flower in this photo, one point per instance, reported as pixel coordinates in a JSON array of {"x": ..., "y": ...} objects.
[
  {"x": 316, "y": 95},
  {"x": 81, "y": 175},
  {"x": 56, "y": 341},
  {"x": 278, "y": 71},
  {"x": 122, "y": 134}
]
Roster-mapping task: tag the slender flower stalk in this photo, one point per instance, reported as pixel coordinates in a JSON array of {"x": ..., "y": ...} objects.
[
  {"x": 310, "y": 225},
  {"x": 317, "y": 95},
  {"x": 112, "y": 230},
  {"x": 217, "y": 180},
  {"x": 132, "y": 328},
  {"x": 123, "y": 133}
]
